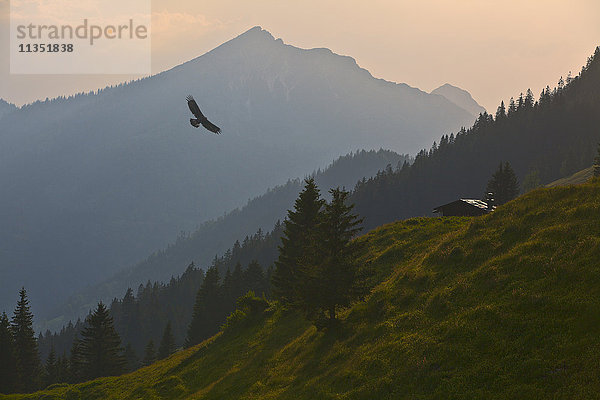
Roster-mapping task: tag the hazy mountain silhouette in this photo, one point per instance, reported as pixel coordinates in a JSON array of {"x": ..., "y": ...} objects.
[
  {"x": 460, "y": 97},
  {"x": 95, "y": 182},
  {"x": 6, "y": 108}
]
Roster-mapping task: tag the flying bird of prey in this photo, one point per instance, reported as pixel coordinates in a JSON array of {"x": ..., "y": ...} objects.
[{"x": 200, "y": 118}]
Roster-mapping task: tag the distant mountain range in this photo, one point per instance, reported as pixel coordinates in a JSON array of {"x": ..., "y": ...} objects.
[
  {"x": 96, "y": 182},
  {"x": 460, "y": 97}
]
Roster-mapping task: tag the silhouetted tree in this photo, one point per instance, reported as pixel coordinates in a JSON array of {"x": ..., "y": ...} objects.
[
  {"x": 132, "y": 361},
  {"x": 76, "y": 362},
  {"x": 149, "y": 354},
  {"x": 100, "y": 345},
  {"x": 503, "y": 184},
  {"x": 337, "y": 271},
  {"x": 8, "y": 374},
  {"x": 167, "y": 343},
  {"x": 297, "y": 251},
  {"x": 207, "y": 317},
  {"x": 62, "y": 365},
  {"x": 51, "y": 368},
  {"x": 27, "y": 359},
  {"x": 501, "y": 112},
  {"x": 254, "y": 278}
]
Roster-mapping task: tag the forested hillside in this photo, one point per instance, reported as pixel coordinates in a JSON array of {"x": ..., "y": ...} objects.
[
  {"x": 551, "y": 137},
  {"x": 501, "y": 306},
  {"x": 217, "y": 236},
  {"x": 142, "y": 313}
]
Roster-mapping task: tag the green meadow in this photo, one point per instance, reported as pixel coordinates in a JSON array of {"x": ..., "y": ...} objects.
[{"x": 504, "y": 306}]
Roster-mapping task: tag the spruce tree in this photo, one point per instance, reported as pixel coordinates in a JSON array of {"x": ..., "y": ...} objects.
[
  {"x": 167, "y": 343},
  {"x": 207, "y": 316},
  {"x": 8, "y": 374},
  {"x": 512, "y": 108},
  {"x": 237, "y": 282},
  {"x": 291, "y": 282},
  {"x": 26, "y": 351},
  {"x": 501, "y": 112},
  {"x": 503, "y": 184},
  {"x": 51, "y": 368},
  {"x": 76, "y": 363},
  {"x": 63, "y": 368},
  {"x": 254, "y": 278},
  {"x": 337, "y": 271},
  {"x": 149, "y": 354},
  {"x": 100, "y": 345},
  {"x": 131, "y": 360}
]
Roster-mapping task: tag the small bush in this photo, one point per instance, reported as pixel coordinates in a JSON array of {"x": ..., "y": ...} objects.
[
  {"x": 252, "y": 304},
  {"x": 248, "y": 306}
]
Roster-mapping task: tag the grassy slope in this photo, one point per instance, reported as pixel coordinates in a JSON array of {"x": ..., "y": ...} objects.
[
  {"x": 501, "y": 306},
  {"x": 575, "y": 179}
]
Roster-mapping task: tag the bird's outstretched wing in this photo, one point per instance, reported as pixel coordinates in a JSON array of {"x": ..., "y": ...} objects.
[
  {"x": 210, "y": 126},
  {"x": 194, "y": 107}
]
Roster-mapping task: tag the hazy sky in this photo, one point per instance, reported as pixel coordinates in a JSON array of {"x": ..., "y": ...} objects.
[{"x": 493, "y": 49}]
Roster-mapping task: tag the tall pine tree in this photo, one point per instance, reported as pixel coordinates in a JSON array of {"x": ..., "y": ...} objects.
[
  {"x": 254, "y": 278},
  {"x": 76, "y": 364},
  {"x": 8, "y": 374},
  {"x": 131, "y": 360},
  {"x": 503, "y": 184},
  {"x": 51, "y": 368},
  {"x": 26, "y": 351},
  {"x": 207, "y": 316},
  {"x": 297, "y": 252},
  {"x": 337, "y": 271},
  {"x": 149, "y": 354},
  {"x": 167, "y": 343},
  {"x": 100, "y": 345}
]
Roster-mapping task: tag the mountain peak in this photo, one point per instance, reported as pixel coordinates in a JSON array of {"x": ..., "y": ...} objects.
[
  {"x": 460, "y": 97},
  {"x": 256, "y": 33}
]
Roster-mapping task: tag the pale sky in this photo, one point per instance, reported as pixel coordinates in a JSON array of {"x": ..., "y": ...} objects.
[{"x": 493, "y": 49}]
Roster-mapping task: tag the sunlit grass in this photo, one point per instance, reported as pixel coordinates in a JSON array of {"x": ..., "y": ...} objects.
[{"x": 504, "y": 306}]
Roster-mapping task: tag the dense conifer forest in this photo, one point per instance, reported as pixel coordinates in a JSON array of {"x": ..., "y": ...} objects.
[
  {"x": 545, "y": 139},
  {"x": 142, "y": 315}
]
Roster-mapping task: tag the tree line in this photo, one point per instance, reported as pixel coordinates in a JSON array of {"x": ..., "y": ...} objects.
[
  {"x": 543, "y": 139},
  {"x": 141, "y": 315},
  {"x": 128, "y": 335}
]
